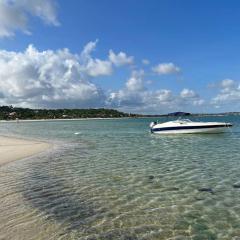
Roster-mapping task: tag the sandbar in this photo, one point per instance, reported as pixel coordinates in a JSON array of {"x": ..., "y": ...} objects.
[{"x": 12, "y": 149}]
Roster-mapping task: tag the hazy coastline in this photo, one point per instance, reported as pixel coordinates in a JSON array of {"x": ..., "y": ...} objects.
[{"x": 118, "y": 118}]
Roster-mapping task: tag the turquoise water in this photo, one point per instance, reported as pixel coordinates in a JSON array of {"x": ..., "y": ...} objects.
[{"x": 115, "y": 180}]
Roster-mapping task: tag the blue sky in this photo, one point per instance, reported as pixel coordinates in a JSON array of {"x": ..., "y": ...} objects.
[{"x": 136, "y": 55}]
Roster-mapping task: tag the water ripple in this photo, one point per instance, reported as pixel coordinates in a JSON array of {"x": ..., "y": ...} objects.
[{"x": 126, "y": 185}]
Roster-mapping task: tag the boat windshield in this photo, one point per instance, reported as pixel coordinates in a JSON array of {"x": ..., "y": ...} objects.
[
  {"x": 186, "y": 120},
  {"x": 183, "y": 120}
]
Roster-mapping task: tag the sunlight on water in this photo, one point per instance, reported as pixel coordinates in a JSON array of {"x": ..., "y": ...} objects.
[{"x": 115, "y": 180}]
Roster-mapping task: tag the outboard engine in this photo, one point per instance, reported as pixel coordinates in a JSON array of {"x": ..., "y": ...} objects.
[{"x": 152, "y": 124}]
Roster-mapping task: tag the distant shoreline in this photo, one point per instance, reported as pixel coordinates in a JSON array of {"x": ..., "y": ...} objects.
[
  {"x": 118, "y": 118},
  {"x": 8, "y": 113},
  {"x": 62, "y": 119}
]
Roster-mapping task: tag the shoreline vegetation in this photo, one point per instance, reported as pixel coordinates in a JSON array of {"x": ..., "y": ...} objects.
[{"x": 15, "y": 113}]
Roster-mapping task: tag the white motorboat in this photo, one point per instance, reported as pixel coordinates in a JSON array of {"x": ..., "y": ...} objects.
[{"x": 187, "y": 126}]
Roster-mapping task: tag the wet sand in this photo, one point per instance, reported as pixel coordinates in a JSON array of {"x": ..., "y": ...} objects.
[{"x": 12, "y": 149}]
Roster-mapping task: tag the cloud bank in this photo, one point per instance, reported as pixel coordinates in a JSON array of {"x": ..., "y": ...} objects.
[
  {"x": 61, "y": 79},
  {"x": 229, "y": 93},
  {"x": 50, "y": 78},
  {"x": 15, "y": 14},
  {"x": 135, "y": 96}
]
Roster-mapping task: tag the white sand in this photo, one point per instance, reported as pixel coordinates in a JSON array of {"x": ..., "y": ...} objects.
[{"x": 12, "y": 149}]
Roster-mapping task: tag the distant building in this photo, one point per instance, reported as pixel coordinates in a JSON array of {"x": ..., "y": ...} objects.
[{"x": 12, "y": 114}]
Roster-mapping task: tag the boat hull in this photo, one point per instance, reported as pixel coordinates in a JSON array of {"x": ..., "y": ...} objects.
[{"x": 191, "y": 129}]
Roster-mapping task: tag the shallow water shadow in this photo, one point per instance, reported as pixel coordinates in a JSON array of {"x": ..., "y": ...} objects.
[{"x": 45, "y": 189}]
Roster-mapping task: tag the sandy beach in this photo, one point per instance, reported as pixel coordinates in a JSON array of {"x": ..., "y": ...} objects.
[{"x": 12, "y": 149}]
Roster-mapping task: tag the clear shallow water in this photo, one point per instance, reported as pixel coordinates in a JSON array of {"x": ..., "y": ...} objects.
[{"x": 114, "y": 180}]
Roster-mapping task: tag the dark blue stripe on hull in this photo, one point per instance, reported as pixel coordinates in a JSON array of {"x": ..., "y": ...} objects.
[{"x": 189, "y": 127}]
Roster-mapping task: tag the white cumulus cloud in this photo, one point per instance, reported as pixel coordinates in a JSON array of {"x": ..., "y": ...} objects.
[
  {"x": 132, "y": 94},
  {"x": 135, "y": 82},
  {"x": 136, "y": 97},
  {"x": 15, "y": 14},
  {"x": 227, "y": 83},
  {"x": 120, "y": 59},
  {"x": 164, "y": 95},
  {"x": 61, "y": 79},
  {"x": 189, "y": 97},
  {"x": 95, "y": 67},
  {"x": 49, "y": 79},
  {"x": 188, "y": 93},
  {"x": 229, "y": 92},
  {"x": 166, "y": 68}
]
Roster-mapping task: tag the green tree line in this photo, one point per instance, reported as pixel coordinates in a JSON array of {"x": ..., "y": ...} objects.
[{"x": 10, "y": 113}]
